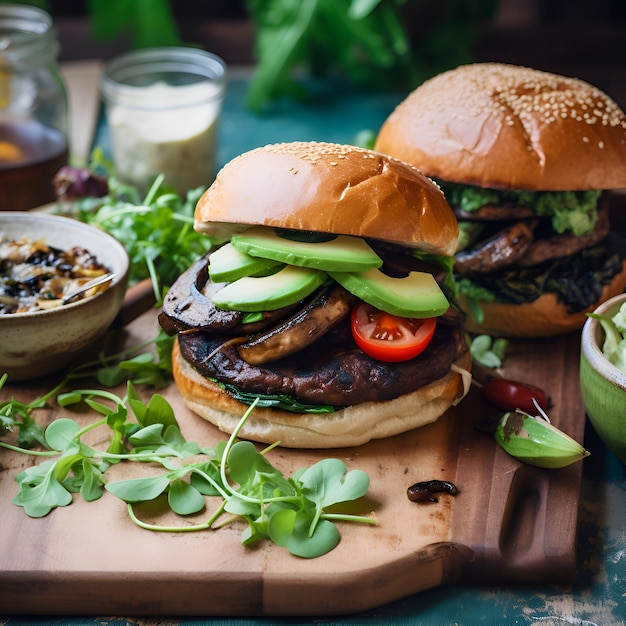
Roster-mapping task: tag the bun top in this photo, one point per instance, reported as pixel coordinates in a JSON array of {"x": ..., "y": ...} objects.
[
  {"x": 503, "y": 126},
  {"x": 328, "y": 188}
]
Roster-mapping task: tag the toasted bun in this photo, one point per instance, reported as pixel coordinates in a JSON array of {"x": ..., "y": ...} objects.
[
  {"x": 352, "y": 426},
  {"x": 544, "y": 317},
  {"x": 329, "y": 188},
  {"x": 503, "y": 126}
]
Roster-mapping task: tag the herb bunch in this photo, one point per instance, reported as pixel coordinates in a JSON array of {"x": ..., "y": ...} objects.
[
  {"x": 156, "y": 229},
  {"x": 290, "y": 512}
]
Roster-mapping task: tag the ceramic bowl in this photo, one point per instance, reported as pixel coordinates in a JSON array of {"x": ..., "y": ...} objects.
[
  {"x": 39, "y": 343},
  {"x": 603, "y": 385}
]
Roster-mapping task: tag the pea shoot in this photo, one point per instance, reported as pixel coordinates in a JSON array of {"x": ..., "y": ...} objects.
[
  {"x": 156, "y": 229},
  {"x": 235, "y": 480}
]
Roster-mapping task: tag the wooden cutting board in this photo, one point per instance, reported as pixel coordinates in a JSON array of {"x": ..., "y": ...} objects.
[{"x": 509, "y": 523}]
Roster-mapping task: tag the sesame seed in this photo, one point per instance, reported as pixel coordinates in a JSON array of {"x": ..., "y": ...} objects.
[{"x": 519, "y": 92}]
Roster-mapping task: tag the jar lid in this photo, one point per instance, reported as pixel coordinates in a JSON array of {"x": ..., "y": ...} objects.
[
  {"x": 27, "y": 34},
  {"x": 127, "y": 75}
]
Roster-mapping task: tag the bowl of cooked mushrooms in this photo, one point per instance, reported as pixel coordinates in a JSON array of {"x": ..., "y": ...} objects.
[{"x": 62, "y": 283}]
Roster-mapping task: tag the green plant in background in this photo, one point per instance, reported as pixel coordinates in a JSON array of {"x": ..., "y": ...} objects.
[
  {"x": 365, "y": 39},
  {"x": 377, "y": 44},
  {"x": 149, "y": 22}
]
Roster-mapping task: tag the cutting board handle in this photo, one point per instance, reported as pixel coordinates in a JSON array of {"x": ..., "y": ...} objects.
[{"x": 531, "y": 521}]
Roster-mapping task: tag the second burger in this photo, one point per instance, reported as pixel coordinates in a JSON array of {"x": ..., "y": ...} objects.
[{"x": 523, "y": 157}]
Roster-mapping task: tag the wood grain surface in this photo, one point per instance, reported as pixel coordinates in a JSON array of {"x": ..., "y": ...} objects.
[{"x": 510, "y": 522}]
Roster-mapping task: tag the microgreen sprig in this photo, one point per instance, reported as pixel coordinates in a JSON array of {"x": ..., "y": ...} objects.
[
  {"x": 290, "y": 512},
  {"x": 156, "y": 229},
  {"x": 488, "y": 351}
]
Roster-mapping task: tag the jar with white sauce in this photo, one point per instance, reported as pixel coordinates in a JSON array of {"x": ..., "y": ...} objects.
[{"x": 163, "y": 107}]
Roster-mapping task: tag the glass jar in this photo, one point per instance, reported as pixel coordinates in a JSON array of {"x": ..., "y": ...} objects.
[
  {"x": 33, "y": 108},
  {"x": 163, "y": 107}
]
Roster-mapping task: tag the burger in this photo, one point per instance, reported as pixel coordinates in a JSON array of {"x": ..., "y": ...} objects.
[
  {"x": 325, "y": 299},
  {"x": 524, "y": 157}
]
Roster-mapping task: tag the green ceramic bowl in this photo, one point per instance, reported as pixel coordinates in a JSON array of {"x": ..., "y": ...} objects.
[{"x": 603, "y": 385}]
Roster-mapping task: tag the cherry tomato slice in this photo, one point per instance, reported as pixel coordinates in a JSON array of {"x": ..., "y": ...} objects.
[
  {"x": 390, "y": 338},
  {"x": 510, "y": 395}
]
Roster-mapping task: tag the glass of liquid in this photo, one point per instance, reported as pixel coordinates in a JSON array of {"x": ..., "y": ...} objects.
[
  {"x": 33, "y": 108},
  {"x": 163, "y": 106}
]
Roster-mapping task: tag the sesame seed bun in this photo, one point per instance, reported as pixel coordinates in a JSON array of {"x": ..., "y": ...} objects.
[
  {"x": 507, "y": 127},
  {"x": 504, "y": 126},
  {"x": 329, "y": 188}
]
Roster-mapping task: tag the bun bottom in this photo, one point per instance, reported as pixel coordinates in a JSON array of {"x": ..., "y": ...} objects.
[
  {"x": 544, "y": 317},
  {"x": 351, "y": 426}
]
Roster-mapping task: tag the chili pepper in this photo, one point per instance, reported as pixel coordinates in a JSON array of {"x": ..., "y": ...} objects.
[{"x": 510, "y": 395}]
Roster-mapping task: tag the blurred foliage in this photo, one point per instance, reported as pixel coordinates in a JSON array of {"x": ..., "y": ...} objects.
[
  {"x": 378, "y": 44},
  {"x": 149, "y": 22}
]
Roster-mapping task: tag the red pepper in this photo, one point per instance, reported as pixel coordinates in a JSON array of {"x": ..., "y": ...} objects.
[{"x": 510, "y": 395}]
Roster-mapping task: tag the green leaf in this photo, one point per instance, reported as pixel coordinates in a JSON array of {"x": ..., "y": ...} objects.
[
  {"x": 31, "y": 433},
  {"x": 183, "y": 498},
  {"x": 148, "y": 437},
  {"x": 255, "y": 531},
  {"x": 69, "y": 398},
  {"x": 116, "y": 421},
  {"x": 157, "y": 411},
  {"x": 290, "y": 529},
  {"x": 206, "y": 478},
  {"x": 65, "y": 463},
  {"x": 92, "y": 483},
  {"x": 176, "y": 442},
  {"x": 487, "y": 351},
  {"x": 150, "y": 22},
  {"x": 252, "y": 471},
  {"x": 111, "y": 376},
  {"x": 61, "y": 433},
  {"x": 237, "y": 506},
  {"x": 328, "y": 482},
  {"x": 360, "y": 9},
  {"x": 40, "y": 491},
  {"x": 139, "y": 489}
]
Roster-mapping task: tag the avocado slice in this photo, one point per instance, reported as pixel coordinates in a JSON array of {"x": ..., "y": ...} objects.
[
  {"x": 417, "y": 295},
  {"x": 267, "y": 293},
  {"x": 343, "y": 253},
  {"x": 228, "y": 264}
]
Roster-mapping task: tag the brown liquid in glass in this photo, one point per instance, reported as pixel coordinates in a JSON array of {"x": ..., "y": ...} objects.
[{"x": 30, "y": 155}]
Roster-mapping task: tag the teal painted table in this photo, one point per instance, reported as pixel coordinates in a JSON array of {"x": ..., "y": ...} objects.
[{"x": 598, "y": 593}]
